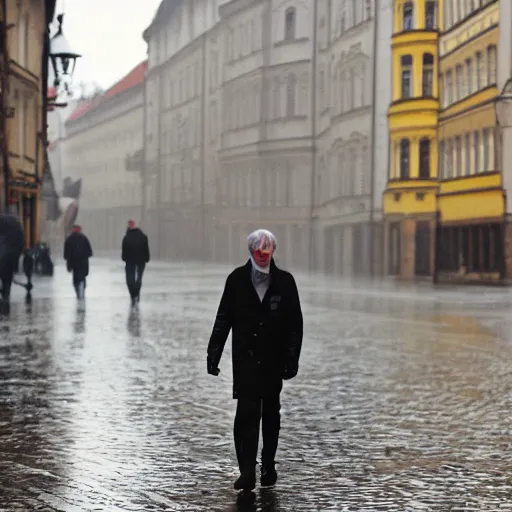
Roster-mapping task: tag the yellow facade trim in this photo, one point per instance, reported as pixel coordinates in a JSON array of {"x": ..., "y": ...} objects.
[
  {"x": 410, "y": 202},
  {"x": 473, "y": 183},
  {"x": 475, "y": 24},
  {"x": 481, "y": 204},
  {"x": 459, "y": 56},
  {"x": 482, "y": 100},
  {"x": 412, "y": 122},
  {"x": 414, "y": 38},
  {"x": 397, "y": 185},
  {"x": 483, "y": 116}
]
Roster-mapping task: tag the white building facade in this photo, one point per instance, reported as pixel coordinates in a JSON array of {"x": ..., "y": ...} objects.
[
  {"x": 261, "y": 113},
  {"x": 102, "y": 148}
]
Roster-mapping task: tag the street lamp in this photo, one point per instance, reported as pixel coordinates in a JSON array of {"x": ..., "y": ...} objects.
[
  {"x": 62, "y": 57},
  {"x": 503, "y": 106}
]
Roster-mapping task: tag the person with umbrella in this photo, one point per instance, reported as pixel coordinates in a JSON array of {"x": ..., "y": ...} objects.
[{"x": 12, "y": 243}]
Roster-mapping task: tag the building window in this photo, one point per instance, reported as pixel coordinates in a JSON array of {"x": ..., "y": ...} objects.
[
  {"x": 477, "y": 152},
  {"x": 405, "y": 150},
  {"x": 428, "y": 75},
  {"x": 458, "y": 156},
  {"x": 468, "y": 154},
  {"x": 291, "y": 87},
  {"x": 406, "y": 76},
  {"x": 430, "y": 15},
  {"x": 487, "y": 149},
  {"x": 469, "y": 76},
  {"x": 408, "y": 16},
  {"x": 442, "y": 157},
  {"x": 424, "y": 158},
  {"x": 449, "y": 88},
  {"x": 355, "y": 8},
  {"x": 449, "y": 159},
  {"x": 289, "y": 24},
  {"x": 491, "y": 65},
  {"x": 479, "y": 70},
  {"x": 448, "y": 14},
  {"x": 459, "y": 76}
]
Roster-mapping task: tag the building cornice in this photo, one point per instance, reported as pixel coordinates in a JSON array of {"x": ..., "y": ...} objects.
[{"x": 235, "y": 6}]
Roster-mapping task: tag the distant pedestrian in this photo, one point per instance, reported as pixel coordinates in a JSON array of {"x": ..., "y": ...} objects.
[
  {"x": 135, "y": 253},
  {"x": 77, "y": 251},
  {"x": 261, "y": 304},
  {"x": 12, "y": 242}
]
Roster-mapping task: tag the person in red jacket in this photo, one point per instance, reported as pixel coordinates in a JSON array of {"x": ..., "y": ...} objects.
[{"x": 77, "y": 251}]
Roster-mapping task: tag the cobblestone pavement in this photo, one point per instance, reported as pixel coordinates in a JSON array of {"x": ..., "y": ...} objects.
[{"x": 402, "y": 402}]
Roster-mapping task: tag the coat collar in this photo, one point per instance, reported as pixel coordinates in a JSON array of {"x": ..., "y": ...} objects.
[{"x": 273, "y": 266}]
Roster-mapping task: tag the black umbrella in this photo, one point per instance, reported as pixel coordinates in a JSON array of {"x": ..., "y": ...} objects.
[
  {"x": 11, "y": 234},
  {"x": 12, "y": 242}
]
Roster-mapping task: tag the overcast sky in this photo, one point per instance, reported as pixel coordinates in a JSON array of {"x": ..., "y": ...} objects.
[{"x": 108, "y": 34}]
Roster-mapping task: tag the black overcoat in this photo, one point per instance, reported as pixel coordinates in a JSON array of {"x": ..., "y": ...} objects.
[
  {"x": 135, "y": 247},
  {"x": 77, "y": 251},
  {"x": 267, "y": 335}
]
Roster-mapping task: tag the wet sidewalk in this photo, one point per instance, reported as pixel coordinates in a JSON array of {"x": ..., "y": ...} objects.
[{"x": 402, "y": 403}]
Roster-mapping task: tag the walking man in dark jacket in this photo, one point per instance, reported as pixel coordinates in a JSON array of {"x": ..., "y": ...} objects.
[
  {"x": 135, "y": 253},
  {"x": 12, "y": 242},
  {"x": 77, "y": 251},
  {"x": 261, "y": 304}
]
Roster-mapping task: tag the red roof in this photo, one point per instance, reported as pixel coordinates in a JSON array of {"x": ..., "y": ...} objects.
[{"x": 132, "y": 79}]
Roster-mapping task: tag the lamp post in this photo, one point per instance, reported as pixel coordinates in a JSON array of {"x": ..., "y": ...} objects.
[{"x": 63, "y": 59}]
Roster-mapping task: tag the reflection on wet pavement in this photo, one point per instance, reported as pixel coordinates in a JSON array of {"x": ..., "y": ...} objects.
[{"x": 402, "y": 402}]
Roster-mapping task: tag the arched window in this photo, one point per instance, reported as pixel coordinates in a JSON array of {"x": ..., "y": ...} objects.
[
  {"x": 290, "y": 21},
  {"x": 428, "y": 75},
  {"x": 424, "y": 158},
  {"x": 408, "y": 16},
  {"x": 405, "y": 150},
  {"x": 406, "y": 63}
]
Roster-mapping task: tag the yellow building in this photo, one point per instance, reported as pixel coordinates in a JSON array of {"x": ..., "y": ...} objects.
[
  {"x": 410, "y": 200},
  {"x": 23, "y": 80},
  {"x": 444, "y": 204},
  {"x": 471, "y": 201}
]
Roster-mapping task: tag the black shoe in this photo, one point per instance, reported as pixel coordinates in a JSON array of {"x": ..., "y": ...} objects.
[
  {"x": 246, "y": 481},
  {"x": 134, "y": 301},
  {"x": 268, "y": 475}
]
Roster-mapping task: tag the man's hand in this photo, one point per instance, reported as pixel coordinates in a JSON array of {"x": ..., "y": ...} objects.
[
  {"x": 290, "y": 372},
  {"x": 211, "y": 367}
]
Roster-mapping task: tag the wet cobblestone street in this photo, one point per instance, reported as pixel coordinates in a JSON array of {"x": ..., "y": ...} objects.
[{"x": 402, "y": 402}]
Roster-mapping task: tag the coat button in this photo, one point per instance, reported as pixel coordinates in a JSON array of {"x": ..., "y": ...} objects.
[
  {"x": 261, "y": 323},
  {"x": 255, "y": 334}
]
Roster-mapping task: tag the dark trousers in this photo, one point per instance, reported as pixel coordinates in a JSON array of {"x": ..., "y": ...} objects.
[
  {"x": 247, "y": 429},
  {"x": 6, "y": 278},
  {"x": 7, "y": 269},
  {"x": 79, "y": 277},
  {"x": 134, "y": 272}
]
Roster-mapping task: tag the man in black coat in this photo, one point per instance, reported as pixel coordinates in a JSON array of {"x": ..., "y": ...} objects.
[
  {"x": 77, "y": 251},
  {"x": 12, "y": 242},
  {"x": 135, "y": 253},
  {"x": 261, "y": 304}
]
